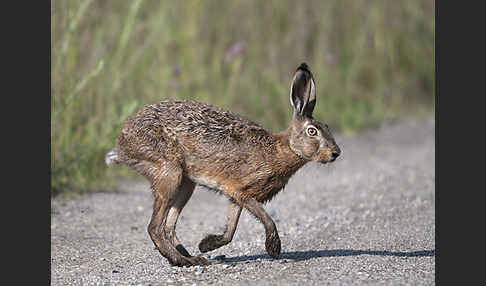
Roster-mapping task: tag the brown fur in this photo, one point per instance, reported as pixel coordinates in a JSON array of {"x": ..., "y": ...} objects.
[{"x": 177, "y": 144}]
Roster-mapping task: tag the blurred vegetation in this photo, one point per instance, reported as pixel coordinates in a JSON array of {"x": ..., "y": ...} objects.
[{"x": 372, "y": 61}]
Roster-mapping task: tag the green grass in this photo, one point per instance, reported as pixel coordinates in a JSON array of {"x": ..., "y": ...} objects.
[{"x": 372, "y": 61}]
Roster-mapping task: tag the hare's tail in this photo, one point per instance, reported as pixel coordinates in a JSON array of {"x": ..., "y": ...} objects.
[{"x": 112, "y": 157}]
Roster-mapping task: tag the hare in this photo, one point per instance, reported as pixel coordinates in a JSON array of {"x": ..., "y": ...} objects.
[{"x": 178, "y": 144}]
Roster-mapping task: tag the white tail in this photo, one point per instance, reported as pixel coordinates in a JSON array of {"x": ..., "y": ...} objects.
[{"x": 111, "y": 157}]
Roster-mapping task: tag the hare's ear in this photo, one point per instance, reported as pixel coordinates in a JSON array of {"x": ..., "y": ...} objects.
[{"x": 303, "y": 91}]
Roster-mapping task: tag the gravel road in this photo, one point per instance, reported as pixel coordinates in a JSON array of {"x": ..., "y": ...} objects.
[{"x": 366, "y": 219}]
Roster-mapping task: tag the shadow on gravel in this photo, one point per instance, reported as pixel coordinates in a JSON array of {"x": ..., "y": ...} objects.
[{"x": 309, "y": 254}]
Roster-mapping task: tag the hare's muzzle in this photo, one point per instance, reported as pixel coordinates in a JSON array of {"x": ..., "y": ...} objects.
[{"x": 335, "y": 153}]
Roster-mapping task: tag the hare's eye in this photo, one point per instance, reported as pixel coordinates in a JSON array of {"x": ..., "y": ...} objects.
[{"x": 312, "y": 131}]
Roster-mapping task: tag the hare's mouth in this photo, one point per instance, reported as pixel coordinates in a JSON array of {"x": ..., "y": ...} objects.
[{"x": 329, "y": 159}]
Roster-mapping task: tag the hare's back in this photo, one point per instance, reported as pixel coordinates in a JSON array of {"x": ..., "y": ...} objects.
[
  {"x": 198, "y": 127},
  {"x": 195, "y": 122}
]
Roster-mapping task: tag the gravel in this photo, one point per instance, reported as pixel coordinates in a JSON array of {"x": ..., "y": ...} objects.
[{"x": 366, "y": 219}]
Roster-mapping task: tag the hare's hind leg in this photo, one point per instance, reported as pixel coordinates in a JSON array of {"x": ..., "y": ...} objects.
[
  {"x": 213, "y": 241},
  {"x": 166, "y": 188},
  {"x": 184, "y": 194}
]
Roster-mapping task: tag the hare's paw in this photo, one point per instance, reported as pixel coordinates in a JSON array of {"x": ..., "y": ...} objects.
[
  {"x": 272, "y": 244},
  {"x": 198, "y": 260},
  {"x": 190, "y": 261},
  {"x": 182, "y": 250},
  {"x": 211, "y": 242}
]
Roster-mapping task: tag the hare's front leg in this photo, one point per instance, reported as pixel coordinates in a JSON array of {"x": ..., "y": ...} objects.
[
  {"x": 213, "y": 241},
  {"x": 272, "y": 242}
]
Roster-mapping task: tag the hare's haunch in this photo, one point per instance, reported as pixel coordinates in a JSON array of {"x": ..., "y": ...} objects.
[{"x": 178, "y": 144}]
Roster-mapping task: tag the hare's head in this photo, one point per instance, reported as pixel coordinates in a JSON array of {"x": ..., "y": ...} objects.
[{"x": 308, "y": 137}]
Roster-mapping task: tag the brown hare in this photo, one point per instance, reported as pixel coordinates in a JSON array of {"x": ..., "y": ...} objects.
[{"x": 177, "y": 144}]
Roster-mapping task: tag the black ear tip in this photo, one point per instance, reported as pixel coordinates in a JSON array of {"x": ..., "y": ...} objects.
[{"x": 303, "y": 66}]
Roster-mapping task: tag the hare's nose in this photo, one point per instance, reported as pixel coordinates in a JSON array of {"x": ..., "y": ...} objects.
[{"x": 335, "y": 155}]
